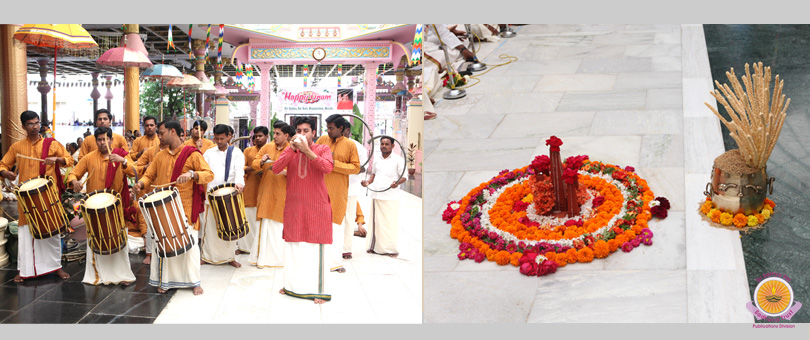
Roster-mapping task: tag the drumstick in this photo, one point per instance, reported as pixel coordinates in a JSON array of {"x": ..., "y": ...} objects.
[
  {"x": 31, "y": 158},
  {"x": 88, "y": 177},
  {"x": 164, "y": 185}
]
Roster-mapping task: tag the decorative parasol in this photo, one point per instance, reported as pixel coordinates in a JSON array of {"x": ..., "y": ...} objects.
[
  {"x": 162, "y": 73},
  {"x": 55, "y": 36},
  {"x": 187, "y": 82},
  {"x": 124, "y": 57}
]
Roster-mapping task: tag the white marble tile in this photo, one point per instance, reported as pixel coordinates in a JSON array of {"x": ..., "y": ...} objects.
[
  {"x": 632, "y": 122},
  {"x": 664, "y": 99},
  {"x": 668, "y": 37},
  {"x": 495, "y": 154},
  {"x": 667, "y": 182},
  {"x": 500, "y": 103},
  {"x": 441, "y": 263},
  {"x": 185, "y": 307},
  {"x": 624, "y": 38},
  {"x": 449, "y": 297},
  {"x": 703, "y": 142},
  {"x": 535, "y": 67},
  {"x": 615, "y": 65},
  {"x": 437, "y": 187},
  {"x": 437, "y": 240},
  {"x": 463, "y": 127},
  {"x": 580, "y": 52},
  {"x": 718, "y": 296},
  {"x": 429, "y": 145},
  {"x": 503, "y": 84},
  {"x": 598, "y": 294},
  {"x": 694, "y": 53},
  {"x": 653, "y": 27},
  {"x": 696, "y": 93},
  {"x": 662, "y": 50},
  {"x": 662, "y": 151},
  {"x": 668, "y": 251},
  {"x": 576, "y": 82},
  {"x": 708, "y": 248},
  {"x": 596, "y": 101},
  {"x": 469, "y": 181},
  {"x": 543, "y": 125},
  {"x": 618, "y": 150},
  {"x": 580, "y": 40},
  {"x": 534, "y": 53},
  {"x": 666, "y": 63},
  {"x": 649, "y": 80},
  {"x": 455, "y": 107}
]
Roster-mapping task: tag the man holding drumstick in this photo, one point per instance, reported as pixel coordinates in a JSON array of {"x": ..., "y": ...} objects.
[
  {"x": 103, "y": 119},
  {"x": 184, "y": 167},
  {"x": 227, "y": 163},
  {"x": 108, "y": 169},
  {"x": 35, "y": 257}
]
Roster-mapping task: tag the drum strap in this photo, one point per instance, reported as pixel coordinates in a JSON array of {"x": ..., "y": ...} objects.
[
  {"x": 198, "y": 193},
  {"x": 46, "y": 147},
  {"x": 112, "y": 168},
  {"x": 228, "y": 155}
]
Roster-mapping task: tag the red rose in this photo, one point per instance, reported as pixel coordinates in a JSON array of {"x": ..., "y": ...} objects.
[
  {"x": 541, "y": 164},
  {"x": 659, "y": 212},
  {"x": 629, "y": 169},
  {"x": 570, "y": 176},
  {"x": 619, "y": 175},
  {"x": 548, "y": 267},
  {"x": 554, "y": 143},
  {"x": 528, "y": 268}
]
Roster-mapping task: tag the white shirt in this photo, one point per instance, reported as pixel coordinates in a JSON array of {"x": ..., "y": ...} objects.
[
  {"x": 386, "y": 171},
  {"x": 216, "y": 161},
  {"x": 448, "y": 38},
  {"x": 355, "y": 188}
]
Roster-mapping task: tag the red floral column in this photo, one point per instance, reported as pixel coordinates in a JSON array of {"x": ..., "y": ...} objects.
[
  {"x": 571, "y": 185},
  {"x": 556, "y": 173}
]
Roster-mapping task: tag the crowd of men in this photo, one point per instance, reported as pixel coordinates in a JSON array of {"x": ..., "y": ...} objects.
[{"x": 300, "y": 197}]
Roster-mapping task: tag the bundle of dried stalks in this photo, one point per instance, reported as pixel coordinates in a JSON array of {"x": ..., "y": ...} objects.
[{"x": 756, "y": 116}]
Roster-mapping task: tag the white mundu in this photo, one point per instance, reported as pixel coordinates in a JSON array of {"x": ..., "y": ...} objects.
[
  {"x": 384, "y": 231},
  {"x": 213, "y": 249}
]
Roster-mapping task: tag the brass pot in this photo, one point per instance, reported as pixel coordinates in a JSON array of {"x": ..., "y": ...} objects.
[{"x": 739, "y": 193}]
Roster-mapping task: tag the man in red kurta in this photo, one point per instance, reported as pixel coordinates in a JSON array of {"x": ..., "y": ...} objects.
[{"x": 307, "y": 214}]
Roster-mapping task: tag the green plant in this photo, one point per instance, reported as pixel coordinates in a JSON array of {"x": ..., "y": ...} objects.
[
  {"x": 69, "y": 201},
  {"x": 173, "y": 100},
  {"x": 411, "y": 157},
  {"x": 357, "y": 126}
]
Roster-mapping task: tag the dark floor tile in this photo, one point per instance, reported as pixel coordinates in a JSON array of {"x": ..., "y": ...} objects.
[
  {"x": 7, "y": 274},
  {"x": 106, "y": 318},
  {"x": 132, "y": 304},
  {"x": 14, "y": 296},
  {"x": 74, "y": 267},
  {"x": 50, "y": 312},
  {"x": 5, "y": 314},
  {"x": 78, "y": 292},
  {"x": 141, "y": 285},
  {"x": 78, "y": 277}
]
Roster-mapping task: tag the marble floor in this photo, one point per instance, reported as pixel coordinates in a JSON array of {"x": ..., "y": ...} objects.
[
  {"x": 623, "y": 94},
  {"x": 374, "y": 289}
]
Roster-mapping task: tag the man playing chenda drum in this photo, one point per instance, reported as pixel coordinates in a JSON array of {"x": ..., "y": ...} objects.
[
  {"x": 103, "y": 119},
  {"x": 35, "y": 257},
  {"x": 186, "y": 166},
  {"x": 227, "y": 163},
  {"x": 108, "y": 169},
  {"x": 143, "y": 163}
]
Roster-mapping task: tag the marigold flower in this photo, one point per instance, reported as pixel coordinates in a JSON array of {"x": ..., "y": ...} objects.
[
  {"x": 760, "y": 218},
  {"x": 502, "y": 257},
  {"x": 572, "y": 255},
  {"x": 613, "y": 244},
  {"x": 585, "y": 255},
  {"x": 766, "y": 214},
  {"x": 714, "y": 214},
  {"x": 770, "y": 203},
  {"x": 740, "y": 220},
  {"x": 726, "y": 219},
  {"x": 706, "y": 207},
  {"x": 752, "y": 221},
  {"x": 601, "y": 249}
]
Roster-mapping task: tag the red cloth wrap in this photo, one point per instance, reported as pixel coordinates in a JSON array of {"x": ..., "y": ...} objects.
[
  {"x": 46, "y": 147},
  {"x": 198, "y": 195}
]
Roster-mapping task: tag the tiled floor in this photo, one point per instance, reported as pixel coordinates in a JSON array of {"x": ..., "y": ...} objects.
[
  {"x": 616, "y": 93},
  {"x": 375, "y": 289}
]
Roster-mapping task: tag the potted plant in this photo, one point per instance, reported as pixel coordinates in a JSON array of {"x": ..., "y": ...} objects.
[{"x": 411, "y": 158}]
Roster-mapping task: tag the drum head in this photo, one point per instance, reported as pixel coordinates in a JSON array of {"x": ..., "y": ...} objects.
[
  {"x": 158, "y": 196},
  {"x": 33, "y": 184},
  {"x": 100, "y": 200},
  {"x": 223, "y": 191}
]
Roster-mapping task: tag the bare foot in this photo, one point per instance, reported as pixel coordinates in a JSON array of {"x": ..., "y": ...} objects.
[
  {"x": 235, "y": 264},
  {"x": 62, "y": 274},
  {"x": 197, "y": 290},
  {"x": 18, "y": 278},
  {"x": 202, "y": 262},
  {"x": 162, "y": 291},
  {"x": 124, "y": 283},
  {"x": 393, "y": 255},
  {"x": 319, "y": 301},
  {"x": 340, "y": 270},
  {"x": 282, "y": 291},
  {"x": 148, "y": 259},
  {"x": 237, "y": 252}
]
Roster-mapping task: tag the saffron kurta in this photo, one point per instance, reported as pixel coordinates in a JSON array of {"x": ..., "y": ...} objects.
[
  {"x": 89, "y": 144},
  {"x": 273, "y": 187},
  {"x": 29, "y": 168},
  {"x": 206, "y": 144},
  {"x": 307, "y": 213},
  {"x": 160, "y": 172},
  {"x": 143, "y": 142},
  {"x": 35, "y": 257},
  {"x": 252, "y": 180},
  {"x": 94, "y": 162},
  {"x": 346, "y": 162}
]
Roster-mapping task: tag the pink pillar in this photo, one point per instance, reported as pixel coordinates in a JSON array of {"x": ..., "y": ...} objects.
[
  {"x": 108, "y": 96},
  {"x": 264, "y": 117},
  {"x": 253, "y": 114},
  {"x": 370, "y": 94},
  {"x": 95, "y": 94},
  {"x": 43, "y": 86}
]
